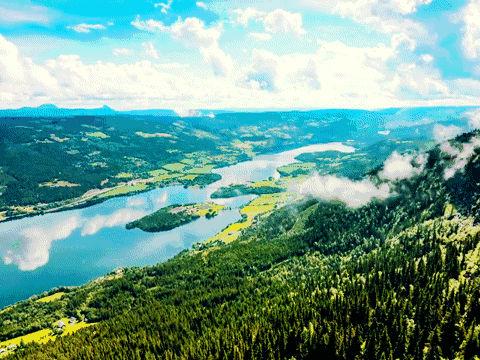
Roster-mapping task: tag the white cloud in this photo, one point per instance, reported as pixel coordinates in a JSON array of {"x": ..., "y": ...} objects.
[
  {"x": 278, "y": 21},
  {"x": 119, "y": 217},
  {"x": 400, "y": 167},
  {"x": 121, "y": 52},
  {"x": 324, "y": 78},
  {"x": 33, "y": 248},
  {"x": 221, "y": 63},
  {"x": 473, "y": 118},
  {"x": 358, "y": 193},
  {"x": 260, "y": 36},
  {"x": 283, "y": 22},
  {"x": 150, "y": 50},
  {"x": 427, "y": 58},
  {"x": 264, "y": 71},
  {"x": 353, "y": 193},
  {"x": 164, "y": 7},
  {"x": 86, "y": 28},
  {"x": 387, "y": 16},
  {"x": 244, "y": 16},
  {"x": 201, "y": 5},
  {"x": 460, "y": 156},
  {"x": 470, "y": 16},
  {"x": 384, "y": 132},
  {"x": 25, "y": 15},
  {"x": 442, "y": 132},
  {"x": 194, "y": 33}
]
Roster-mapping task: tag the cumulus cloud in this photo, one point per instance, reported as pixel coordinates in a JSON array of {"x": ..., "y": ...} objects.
[
  {"x": 244, "y": 16},
  {"x": 283, "y": 22},
  {"x": 353, "y": 193},
  {"x": 264, "y": 71},
  {"x": 150, "y": 50},
  {"x": 194, "y": 33},
  {"x": 470, "y": 17},
  {"x": 33, "y": 248},
  {"x": 460, "y": 156},
  {"x": 324, "y": 78},
  {"x": 388, "y": 16},
  {"x": 400, "y": 167},
  {"x": 442, "y": 132},
  {"x": 278, "y": 21}
]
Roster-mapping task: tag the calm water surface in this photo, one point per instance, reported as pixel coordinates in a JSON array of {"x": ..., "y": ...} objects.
[{"x": 73, "y": 247}]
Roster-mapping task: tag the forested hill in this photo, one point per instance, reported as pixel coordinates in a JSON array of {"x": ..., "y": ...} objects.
[{"x": 397, "y": 279}]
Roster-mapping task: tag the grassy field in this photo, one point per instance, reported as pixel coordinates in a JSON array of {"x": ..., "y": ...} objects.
[
  {"x": 98, "y": 135},
  {"x": 58, "y": 184},
  {"x": 124, "y": 175},
  {"x": 262, "y": 205},
  {"x": 42, "y": 336},
  {"x": 124, "y": 190},
  {"x": 177, "y": 167},
  {"x": 51, "y": 298},
  {"x": 201, "y": 170},
  {"x": 296, "y": 168}
]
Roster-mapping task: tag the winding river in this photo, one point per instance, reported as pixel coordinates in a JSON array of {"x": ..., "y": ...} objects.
[{"x": 73, "y": 247}]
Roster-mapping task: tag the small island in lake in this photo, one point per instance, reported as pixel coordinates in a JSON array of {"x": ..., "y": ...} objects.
[
  {"x": 258, "y": 188},
  {"x": 173, "y": 216}
]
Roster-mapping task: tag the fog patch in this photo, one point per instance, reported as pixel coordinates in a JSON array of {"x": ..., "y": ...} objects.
[
  {"x": 401, "y": 167},
  {"x": 353, "y": 193},
  {"x": 460, "y": 156},
  {"x": 442, "y": 133},
  {"x": 473, "y": 119}
]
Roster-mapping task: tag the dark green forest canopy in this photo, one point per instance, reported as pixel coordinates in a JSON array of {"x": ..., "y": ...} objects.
[{"x": 393, "y": 279}]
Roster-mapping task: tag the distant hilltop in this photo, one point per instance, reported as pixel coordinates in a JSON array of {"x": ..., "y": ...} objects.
[{"x": 50, "y": 110}]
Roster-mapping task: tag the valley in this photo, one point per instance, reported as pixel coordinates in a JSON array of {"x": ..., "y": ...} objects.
[{"x": 232, "y": 228}]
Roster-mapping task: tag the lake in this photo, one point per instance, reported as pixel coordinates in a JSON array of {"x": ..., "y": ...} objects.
[{"x": 70, "y": 248}]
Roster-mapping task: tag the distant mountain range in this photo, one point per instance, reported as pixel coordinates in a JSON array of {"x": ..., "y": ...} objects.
[{"x": 50, "y": 110}]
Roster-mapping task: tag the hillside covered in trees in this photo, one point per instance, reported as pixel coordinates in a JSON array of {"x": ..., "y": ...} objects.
[{"x": 393, "y": 279}]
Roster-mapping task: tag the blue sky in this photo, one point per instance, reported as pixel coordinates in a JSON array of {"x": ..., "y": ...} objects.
[{"x": 185, "y": 54}]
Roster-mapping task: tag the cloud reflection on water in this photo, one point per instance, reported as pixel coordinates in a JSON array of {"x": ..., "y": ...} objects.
[{"x": 29, "y": 248}]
